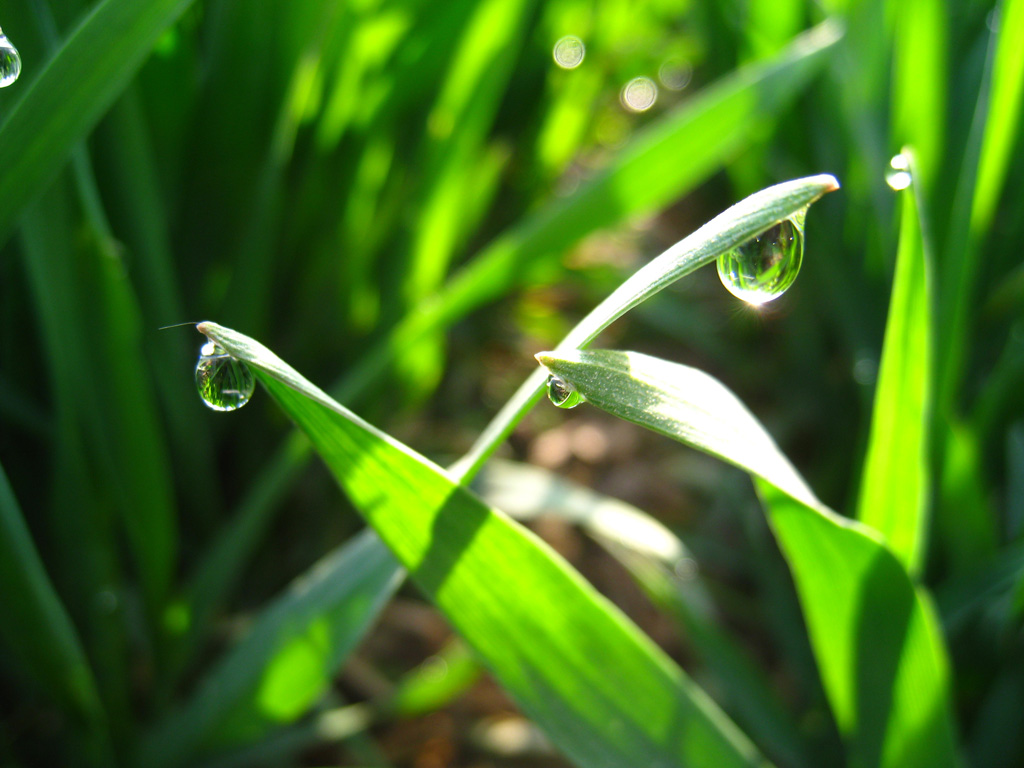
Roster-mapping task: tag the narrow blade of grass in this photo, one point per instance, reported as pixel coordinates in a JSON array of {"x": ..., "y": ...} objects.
[
  {"x": 919, "y": 85},
  {"x": 656, "y": 557},
  {"x": 64, "y": 102},
  {"x": 287, "y": 660},
  {"x": 37, "y": 629},
  {"x": 734, "y": 226},
  {"x": 877, "y": 642},
  {"x": 894, "y": 494},
  {"x": 986, "y": 164},
  {"x": 603, "y": 692},
  {"x": 657, "y": 167}
]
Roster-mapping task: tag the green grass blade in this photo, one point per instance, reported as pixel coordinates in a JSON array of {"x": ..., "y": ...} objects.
[
  {"x": 877, "y": 642},
  {"x": 460, "y": 122},
  {"x": 732, "y": 227},
  {"x": 894, "y": 494},
  {"x": 603, "y": 692},
  {"x": 657, "y": 167},
  {"x": 919, "y": 85},
  {"x": 62, "y": 105},
  {"x": 987, "y": 162},
  {"x": 287, "y": 660},
  {"x": 1006, "y": 98},
  {"x": 655, "y": 556},
  {"x": 35, "y": 626}
]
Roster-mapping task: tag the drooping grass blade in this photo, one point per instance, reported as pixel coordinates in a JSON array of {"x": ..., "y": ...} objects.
[{"x": 602, "y": 691}]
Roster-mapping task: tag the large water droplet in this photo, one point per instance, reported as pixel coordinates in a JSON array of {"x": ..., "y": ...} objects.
[
  {"x": 765, "y": 266},
  {"x": 224, "y": 383},
  {"x": 10, "y": 61},
  {"x": 569, "y": 52},
  {"x": 898, "y": 176},
  {"x": 563, "y": 394}
]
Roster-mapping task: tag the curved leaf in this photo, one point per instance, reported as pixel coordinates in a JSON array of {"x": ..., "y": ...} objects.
[
  {"x": 603, "y": 692},
  {"x": 877, "y": 641}
]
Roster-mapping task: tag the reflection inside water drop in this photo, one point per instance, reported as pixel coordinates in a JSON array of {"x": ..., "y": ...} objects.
[
  {"x": 764, "y": 267},
  {"x": 10, "y": 61},
  {"x": 569, "y": 52},
  {"x": 224, "y": 383},
  {"x": 563, "y": 394}
]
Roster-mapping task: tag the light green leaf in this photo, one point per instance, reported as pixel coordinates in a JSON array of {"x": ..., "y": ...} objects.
[
  {"x": 919, "y": 84},
  {"x": 656, "y": 558},
  {"x": 987, "y": 161},
  {"x": 734, "y": 226},
  {"x": 877, "y": 642},
  {"x": 603, "y": 692},
  {"x": 287, "y": 660},
  {"x": 895, "y": 486},
  {"x": 61, "y": 106}
]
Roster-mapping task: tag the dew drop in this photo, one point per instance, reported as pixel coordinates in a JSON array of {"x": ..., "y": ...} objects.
[
  {"x": 10, "y": 61},
  {"x": 675, "y": 74},
  {"x": 898, "y": 176},
  {"x": 569, "y": 52},
  {"x": 563, "y": 394},
  {"x": 764, "y": 267},
  {"x": 224, "y": 383},
  {"x": 639, "y": 94}
]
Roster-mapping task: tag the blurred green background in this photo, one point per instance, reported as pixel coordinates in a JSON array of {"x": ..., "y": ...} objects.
[{"x": 407, "y": 199}]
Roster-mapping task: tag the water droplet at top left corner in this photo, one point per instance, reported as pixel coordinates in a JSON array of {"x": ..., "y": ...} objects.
[{"x": 10, "y": 61}]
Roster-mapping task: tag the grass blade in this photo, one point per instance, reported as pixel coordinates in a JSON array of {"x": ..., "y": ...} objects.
[
  {"x": 896, "y": 482},
  {"x": 986, "y": 164},
  {"x": 62, "y": 105},
  {"x": 749, "y": 217},
  {"x": 877, "y": 642},
  {"x": 654, "y": 169},
  {"x": 35, "y": 626},
  {"x": 919, "y": 85},
  {"x": 286, "y": 662},
  {"x": 655, "y": 556},
  {"x": 603, "y": 692}
]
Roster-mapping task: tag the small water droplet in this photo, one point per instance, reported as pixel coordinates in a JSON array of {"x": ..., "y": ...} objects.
[
  {"x": 675, "y": 74},
  {"x": 765, "y": 266},
  {"x": 10, "y": 61},
  {"x": 224, "y": 383},
  {"x": 563, "y": 394},
  {"x": 569, "y": 52},
  {"x": 639, "y": 94},
  {"x": 898, "y": 176}
]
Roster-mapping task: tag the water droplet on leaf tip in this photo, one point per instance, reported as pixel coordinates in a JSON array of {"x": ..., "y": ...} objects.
[
  {"x": 569, "y": 52},
  {"x": 562, "y": 394},
  {"x": 764, "y": 267},
  {"x": 224, "y": 383},
  {"x": 10, "y": 62}
]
